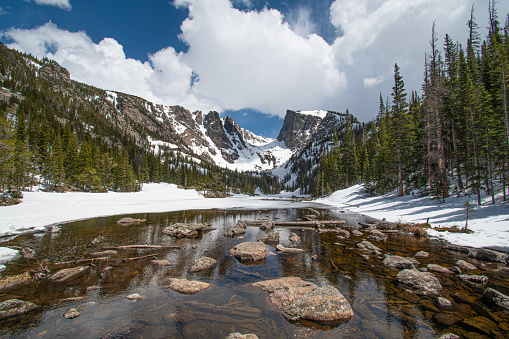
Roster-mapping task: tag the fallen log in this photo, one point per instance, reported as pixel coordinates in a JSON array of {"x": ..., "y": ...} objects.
[
  {"x": 315, "y": 223},
  {"x": 91, "y": 260},
  {"x": 139, "y": 247},
  {"x": 142, "y": 257}
]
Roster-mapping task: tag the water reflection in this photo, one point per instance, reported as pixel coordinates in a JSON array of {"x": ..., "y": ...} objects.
[{"x": 382, "y": 308}]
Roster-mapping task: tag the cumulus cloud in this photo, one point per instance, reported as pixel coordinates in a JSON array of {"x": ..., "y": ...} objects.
[
  {"x": 163, "y": 80},
  {"x": 372, "y": 82},
  {"x": 64, "y": 4},
  {"x": 254, "y": 60}
]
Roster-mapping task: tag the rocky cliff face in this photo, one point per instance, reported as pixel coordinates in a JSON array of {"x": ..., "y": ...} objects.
[{"x": 297, "y": 129}]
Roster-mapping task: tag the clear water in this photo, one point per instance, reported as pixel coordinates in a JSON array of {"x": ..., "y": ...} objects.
[{"x": 382, "y": 308}]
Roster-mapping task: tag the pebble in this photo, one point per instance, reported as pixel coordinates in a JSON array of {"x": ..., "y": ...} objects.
[{"x": 71, "y": 313}]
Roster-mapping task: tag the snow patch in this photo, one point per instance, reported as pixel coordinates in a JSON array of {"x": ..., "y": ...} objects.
[{"x": 317, "y": 113}]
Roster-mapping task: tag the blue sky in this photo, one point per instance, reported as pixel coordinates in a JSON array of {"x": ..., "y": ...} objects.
[{"x": 250, "y": 59}]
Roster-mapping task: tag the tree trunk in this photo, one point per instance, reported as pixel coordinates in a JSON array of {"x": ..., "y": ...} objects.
[
  {"x": 456, "y": 160},
  {"x": 442, "y": 162},
  {"x": 400, "y": 174}
]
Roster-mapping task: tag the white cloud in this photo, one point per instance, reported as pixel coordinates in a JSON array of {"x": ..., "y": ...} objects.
[
  {"x": 163, "y": 80},
  {"x": 254, "y": 60},
  {"x": 372, "y": 82},
  {"x": 64, "y": 4}
]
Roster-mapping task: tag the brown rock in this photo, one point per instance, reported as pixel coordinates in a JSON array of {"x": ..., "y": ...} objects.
[
  {"x": 294, "y": 238},
  {"x": 482, "y": 324},
  {"x": 159, "y": 262},
  {"x": 185, "y": 286},
  {"x": 462, "y": 298},
  {"x": 68, "y": 274},
  {"x": 126, "y": 221},
  {"x": 465, "y": 265},
  {"x": 203, "y": 263},
  {"x": 249, "y": 251},
  {"x": 299, "y": 299},
  {"x": 270, "y": 238},
  {"x": 107, "y": 253},
  {"x": 445, "y": 319},
  {"x": 397, "y": 262},
  {"x": 422, "y": 254},
  {"x": 71, "y": 313}
]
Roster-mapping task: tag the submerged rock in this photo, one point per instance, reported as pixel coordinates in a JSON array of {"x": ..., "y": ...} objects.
[
  {"x": 134, "y": 296},
  {"x": 500, "y": 300},
  {"x": 249, "y": 251},
  {"x": 270, "y": 238},
  {"x": 107, "y": 253},
  {"x": 422, "y": 254},
  {"x": 203, "y": 263},
  {"x": 397, "y": 262},
  {"x": 125, "y": 221},
  {"x": 299, "y": 299},
  {"x": 185, "y": 286},
  {"x": 13, "y": 280},
  {"x": 357, "y": 233},
  {"x": 423, "y": 282},
  {"x": 161, "y": 262},
  {"x": 14, "y": 307},
  {"x": 68, "y": 274}
]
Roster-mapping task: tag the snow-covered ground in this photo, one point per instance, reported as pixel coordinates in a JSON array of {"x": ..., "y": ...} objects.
[
  {"x": 490, "y": 222},
  {"x": 39, "y": 209}
]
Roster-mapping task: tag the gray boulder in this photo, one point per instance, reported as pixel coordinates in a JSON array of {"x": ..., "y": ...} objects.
[
  {"x": 422, "y": 282},
  {"x": 500, "y": 300},
  {"x": 203, "y": 263},
  {"x": 249, "y": 251},
  {"x": 438, "y": 268},
  {"x": 68, "y": 274},
  {"x": 397, "y": 262},
  {"x": 465, "y": 265},
  {"x": 270, "y": 238},
  {"x": 475, "y": 279},
  {"x": 182, "y": 230},
  {"x": 299, "y": 299}
]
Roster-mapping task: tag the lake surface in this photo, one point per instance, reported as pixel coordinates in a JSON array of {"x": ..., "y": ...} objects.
[{"x": 382, "y": 308}]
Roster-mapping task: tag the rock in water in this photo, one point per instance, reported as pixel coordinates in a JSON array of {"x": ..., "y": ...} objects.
[
  {"x": 500, "y": 300},
  {"x": 283, "y": 249},
  {"x": 238, "y": 335},
  {"x": 134, "y": 296},
  {"x": 475, "y": 279},
  {"x": 270, "y": 238},
  {"x": 71, "y": 313},
  {"x": 465, "y": 265},
  {"x": 397, "y": 262},
  {"x": 299, "y": 299},
  {"x": 14, "y": 307},
  {"x": 185, "y": 286},
  {"x": 438, "y": 268},
  {"x": 249, "y": 251},
  {"x": 423, "y": 282},
  {"x": 422, "y": 254},
  {"x": 13, "y": 280},
  {"x": 202, "y": 264},
  {"x": 294, "y": 238},
  {"x": 126, "y": 221},
  {"x": 68, "y": 274}
]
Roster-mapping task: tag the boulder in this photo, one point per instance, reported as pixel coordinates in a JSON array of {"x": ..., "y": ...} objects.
[
  {"x": 283, "y": 249},
  {"x": 344, "y": 233},
  {"x": 162, "y": 262},
  {"x": 494, "y": 297},
  {"x": 183, "y": 230},
  {"x": 367, "y": 247},
  {"x": 423, "y": 282},
  {"x": 438, "y": 268},
  {"x": 270, "y": 238},
  {"x": 377, "y": 235},
  {"x": 185, "y": 286},
  {"x": 294, "y": 238},
  {"x": 68, "y": 274},
  {"x": 239, "y": 228},
  {"x": 422, "y": 254},
  {"x": 72, "y": 313},
  {"x": 14, "y": 307},
  {"x": 299, "y": 299},
  {"x": 238, "y": 335},
  {"x": 465, "y": 265},
  {"x": 249, "y": 251},
  {"x": 445, "y": 319},
  {"x": 126, "y": 221},
  {"x": 475, "y": 279},
  {"x": 357, "y": 233},
  {"x": 481, "y": 324},
  {"x": 203, "y": 263},
  {"x": 134, "y": 297},
  {"x": 443, "y": 302},
  {"x": 397, "y": 262}
]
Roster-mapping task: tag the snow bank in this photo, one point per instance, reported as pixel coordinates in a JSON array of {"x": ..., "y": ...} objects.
[
  {"x": 490, "y": 223},
  {"x": 6, "y": 255},
  {"x": 40, "y": 209}
]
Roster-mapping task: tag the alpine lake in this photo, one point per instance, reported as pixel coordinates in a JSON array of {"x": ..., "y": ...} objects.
[{"x": 382, "y": 307}]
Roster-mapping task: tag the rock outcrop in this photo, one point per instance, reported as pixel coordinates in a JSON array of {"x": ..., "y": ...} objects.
[
  {"x": 249, "y": 251},
  {"x": 422, "y": 282}
]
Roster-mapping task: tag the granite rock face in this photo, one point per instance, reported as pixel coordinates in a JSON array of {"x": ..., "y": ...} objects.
[{"x": 299, "y": 299}]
